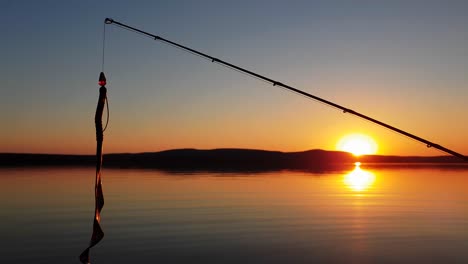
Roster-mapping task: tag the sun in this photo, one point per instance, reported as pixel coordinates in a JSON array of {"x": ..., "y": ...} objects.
[{"x": 357, "y": 144}]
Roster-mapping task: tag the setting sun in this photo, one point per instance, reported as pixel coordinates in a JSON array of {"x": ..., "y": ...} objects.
[{"x": 357, "y": 144}]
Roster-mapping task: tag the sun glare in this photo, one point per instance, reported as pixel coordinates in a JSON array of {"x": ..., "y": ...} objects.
[
  {"x": 359, "y": 180},
  {"x": 357, "y": 144}
]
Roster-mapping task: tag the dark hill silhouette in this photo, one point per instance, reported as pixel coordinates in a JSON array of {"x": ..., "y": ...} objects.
[
  {"x": 220, "y": 160},
  {"x": 232, "y": 160}
]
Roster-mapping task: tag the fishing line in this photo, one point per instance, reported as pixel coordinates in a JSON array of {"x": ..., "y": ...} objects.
[{"x": 103, "y": 47}]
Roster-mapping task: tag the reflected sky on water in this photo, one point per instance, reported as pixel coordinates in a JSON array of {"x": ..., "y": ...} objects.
[{"x": 359, "y": 216}]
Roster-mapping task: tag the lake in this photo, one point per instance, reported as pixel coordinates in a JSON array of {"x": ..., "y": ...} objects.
[{"x": 378, "y": 215}]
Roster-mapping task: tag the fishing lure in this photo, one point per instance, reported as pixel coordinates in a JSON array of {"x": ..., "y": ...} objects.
[{"x": 98, "y": 234}]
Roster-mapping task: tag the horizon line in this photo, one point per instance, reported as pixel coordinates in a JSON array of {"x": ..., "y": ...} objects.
[{"x": 224, "y": 148}]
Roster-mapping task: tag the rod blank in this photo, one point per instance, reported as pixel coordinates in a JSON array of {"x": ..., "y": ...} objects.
[{"x": 276, "y": 83}]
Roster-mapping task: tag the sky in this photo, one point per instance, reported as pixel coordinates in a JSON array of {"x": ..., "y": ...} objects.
[{"x": 402, "y": 62}]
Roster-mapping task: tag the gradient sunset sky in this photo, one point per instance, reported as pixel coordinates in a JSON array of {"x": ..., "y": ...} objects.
[{"x": 402, "y": 62}]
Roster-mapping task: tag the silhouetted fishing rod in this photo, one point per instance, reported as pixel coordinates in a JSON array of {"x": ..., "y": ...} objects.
[{"x": 276, "y": 83}]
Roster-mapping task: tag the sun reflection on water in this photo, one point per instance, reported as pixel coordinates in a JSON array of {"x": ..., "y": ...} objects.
[{"x": 359, "y": 180}]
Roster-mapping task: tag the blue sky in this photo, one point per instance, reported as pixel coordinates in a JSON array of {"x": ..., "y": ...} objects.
[{"x": 405, "y": 62}]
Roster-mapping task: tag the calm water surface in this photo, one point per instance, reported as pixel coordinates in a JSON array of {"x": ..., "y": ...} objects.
[{"x": 361, "y": 216}]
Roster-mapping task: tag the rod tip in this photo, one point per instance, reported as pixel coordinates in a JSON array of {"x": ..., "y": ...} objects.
[{"x": 108, "y": 20}]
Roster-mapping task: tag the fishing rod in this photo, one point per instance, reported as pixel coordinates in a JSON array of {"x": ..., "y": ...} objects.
[{"x": 428, "y": 143}]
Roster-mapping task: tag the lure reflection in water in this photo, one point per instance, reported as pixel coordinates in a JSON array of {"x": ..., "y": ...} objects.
[{"x": 359, "y": 180}]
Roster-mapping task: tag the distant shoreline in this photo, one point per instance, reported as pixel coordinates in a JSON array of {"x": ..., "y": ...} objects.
[{"x": 230, "y": 160}]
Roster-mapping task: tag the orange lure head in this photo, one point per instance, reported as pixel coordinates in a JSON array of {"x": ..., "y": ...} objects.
[{"x": 102, "y": 79}]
